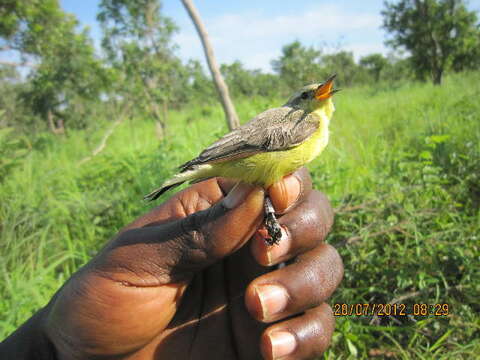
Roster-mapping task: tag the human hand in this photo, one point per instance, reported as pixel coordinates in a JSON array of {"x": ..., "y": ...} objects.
[{"x": 178, "y": 283}]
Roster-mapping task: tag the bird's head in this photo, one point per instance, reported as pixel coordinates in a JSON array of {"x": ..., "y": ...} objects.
[{"x": 314, "y": 97}]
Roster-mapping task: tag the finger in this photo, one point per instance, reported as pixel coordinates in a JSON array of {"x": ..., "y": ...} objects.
[
  {"x": 303, "y": 228},
  {"x": 197, "y": 197},
  {"x": 202, "y": 195},
  {"x": 173, "y": 251},
  {"x": 303, "y": 337},
  {"x": 145, "y": 270},
  {"x": 291, "y": 190},
  {"x": 306, "y": 283}
]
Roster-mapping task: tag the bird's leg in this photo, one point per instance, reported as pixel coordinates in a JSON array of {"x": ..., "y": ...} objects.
[{"x": 271, "y": 223}]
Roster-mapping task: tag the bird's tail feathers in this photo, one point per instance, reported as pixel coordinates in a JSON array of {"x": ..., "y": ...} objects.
[
  {"x": 195, "y": 175},
  {"x": 155, "y": 194}
]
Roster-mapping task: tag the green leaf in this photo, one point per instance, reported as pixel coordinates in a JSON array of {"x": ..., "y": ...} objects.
[{"x": 352, "y": 348}]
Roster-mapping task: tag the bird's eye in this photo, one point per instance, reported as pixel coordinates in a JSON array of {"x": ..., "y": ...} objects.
[{"x": 304, "y": 95}]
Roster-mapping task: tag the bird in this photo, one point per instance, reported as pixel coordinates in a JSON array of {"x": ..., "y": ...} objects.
[{"x": 273, "y": 144}]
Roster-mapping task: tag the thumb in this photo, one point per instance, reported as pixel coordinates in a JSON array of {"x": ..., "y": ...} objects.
[
  {"x": 145, "y": 270},
  {"x": 226, "y": 226},
  {"x": 174, "y": 251}
]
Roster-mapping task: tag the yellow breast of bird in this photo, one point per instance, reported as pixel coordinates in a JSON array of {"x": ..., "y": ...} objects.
[{"x": 264, "y": 169}]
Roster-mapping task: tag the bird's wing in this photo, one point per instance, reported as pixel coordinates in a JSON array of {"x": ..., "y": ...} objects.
[{"x": 273, "y": 130}]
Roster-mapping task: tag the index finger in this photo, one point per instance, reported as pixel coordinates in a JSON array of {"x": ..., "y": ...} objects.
[
  {"x": 290, "y": 191},
  {"x": 284, "y": 194}
]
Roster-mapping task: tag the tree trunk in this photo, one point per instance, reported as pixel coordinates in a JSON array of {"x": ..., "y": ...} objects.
[
  {"x": 51, "y": 124},
  {"x": 154, "y": 109},
  {"x": 437, "y": 76},
  {"x": 60, "y": 125},
  {"x": 228, "y": 108},
  {"x": 165, "y": 112},
  {"x": 57, "y": 127}
]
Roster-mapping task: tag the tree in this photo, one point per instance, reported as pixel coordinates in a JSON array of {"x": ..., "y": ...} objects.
[
  {"x": 64, "y": 66},
  {"x": 137, "y": 40},
  {"x": 342, "y": 63},
  {"x": 398, "y": 68},
  {"x": 439, "y": 34},
  {"x": 298, "y": 65},
  {"x": 374, "y": 64},
  {"x": 222, "y": 89},
  {"x": 10, "y": 86},
  {"x": 200, "y": 86},
  {"x": 249, "y": 83}
]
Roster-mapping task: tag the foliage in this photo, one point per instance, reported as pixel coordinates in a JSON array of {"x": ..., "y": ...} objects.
[
  {"x": 439, "y": 34},
  {"x": 140, "y": 74},
  {"x": 200, "y": 88},
  {"x": 137, "y": 41},
  {"x": 243, "y": 82},
  {"x": 298, "y": 65},
  {"x": 374, "y": 64},
  {"x": 402, "y": 168},
  {"x": 13, "y": 148},
  {"x": 64, "y": 66},
  {"x": 343, "y": 63},
  {"x": 13, "y": 113},
  {"x": 402, "y": 171}
]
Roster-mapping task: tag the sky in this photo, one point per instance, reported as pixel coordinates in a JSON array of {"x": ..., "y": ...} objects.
[{"x": 255, "y": 31}]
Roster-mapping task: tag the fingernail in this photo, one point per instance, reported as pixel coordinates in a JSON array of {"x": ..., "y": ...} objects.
[
  {"x": 283, "y": 343},
  {"x": 276, "y": 252},
  {"x": 286, "y": 193},
  {"x": 293, "y": 188},
  {"x": 237, "y": 195},
  {"x": 273, "y": 299}
]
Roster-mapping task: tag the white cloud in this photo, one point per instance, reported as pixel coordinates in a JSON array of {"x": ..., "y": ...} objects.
[
  {"x": 255, "y": 38},
  {"x": 321, "y": 20}
]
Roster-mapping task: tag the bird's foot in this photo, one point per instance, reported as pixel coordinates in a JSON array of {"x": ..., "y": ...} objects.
[{"x": 271, "y": 224}]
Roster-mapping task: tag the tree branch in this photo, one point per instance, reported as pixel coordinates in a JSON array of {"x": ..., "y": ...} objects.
[
  {"x": 228, "y": 108},
  {"x": 103, "y": 143}
]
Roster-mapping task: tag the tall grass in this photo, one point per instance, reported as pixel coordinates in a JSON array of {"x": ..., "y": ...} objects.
[{"x": 402, "y": 171}]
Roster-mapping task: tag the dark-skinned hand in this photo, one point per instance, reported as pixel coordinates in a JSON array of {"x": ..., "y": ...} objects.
[{"x": 178, "y": 283}]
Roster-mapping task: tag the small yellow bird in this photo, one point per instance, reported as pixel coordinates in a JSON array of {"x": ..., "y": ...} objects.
[{"x": 273, "y": 144}]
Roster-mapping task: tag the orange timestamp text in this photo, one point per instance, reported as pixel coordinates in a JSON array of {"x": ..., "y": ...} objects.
[{"x": 367, "y": 309}]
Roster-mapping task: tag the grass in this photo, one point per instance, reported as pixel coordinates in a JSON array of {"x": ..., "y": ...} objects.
[{"x": 402, "y": 171}]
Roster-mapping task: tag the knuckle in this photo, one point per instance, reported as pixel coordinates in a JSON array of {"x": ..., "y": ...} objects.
[
  {"x": 335, "y": 264},
  {"x": 316, "y": 275},
  {"x": 304, "y": 176},
  {"x": 186, "y": 255},
  {"x": 192, "y": 255},
  {"x": 329, "y": 272},
  {"x": 322, "y": 266},
  {"x": 324, "y": 324},
  {"x": 312, "y": 221},
  {"x": 193, "y": 247},
  {"x": 314, "y": 333},
  {"x": 191, "y": 223},
  {"x": 318, "y": 332},
  {"x": 323, "y": 213}
]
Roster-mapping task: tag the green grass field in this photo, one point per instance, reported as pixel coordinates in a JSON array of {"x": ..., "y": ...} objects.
[{"x": 402, "y": 171}]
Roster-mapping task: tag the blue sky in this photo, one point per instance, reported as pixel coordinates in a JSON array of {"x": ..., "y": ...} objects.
[{"x": 255, "y": 31}]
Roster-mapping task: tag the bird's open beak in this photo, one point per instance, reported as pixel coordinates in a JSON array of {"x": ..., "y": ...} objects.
[{"x": 324, "y": 91}]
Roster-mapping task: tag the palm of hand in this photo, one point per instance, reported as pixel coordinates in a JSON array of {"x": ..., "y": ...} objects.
[{"x": 178, "y": 282}]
